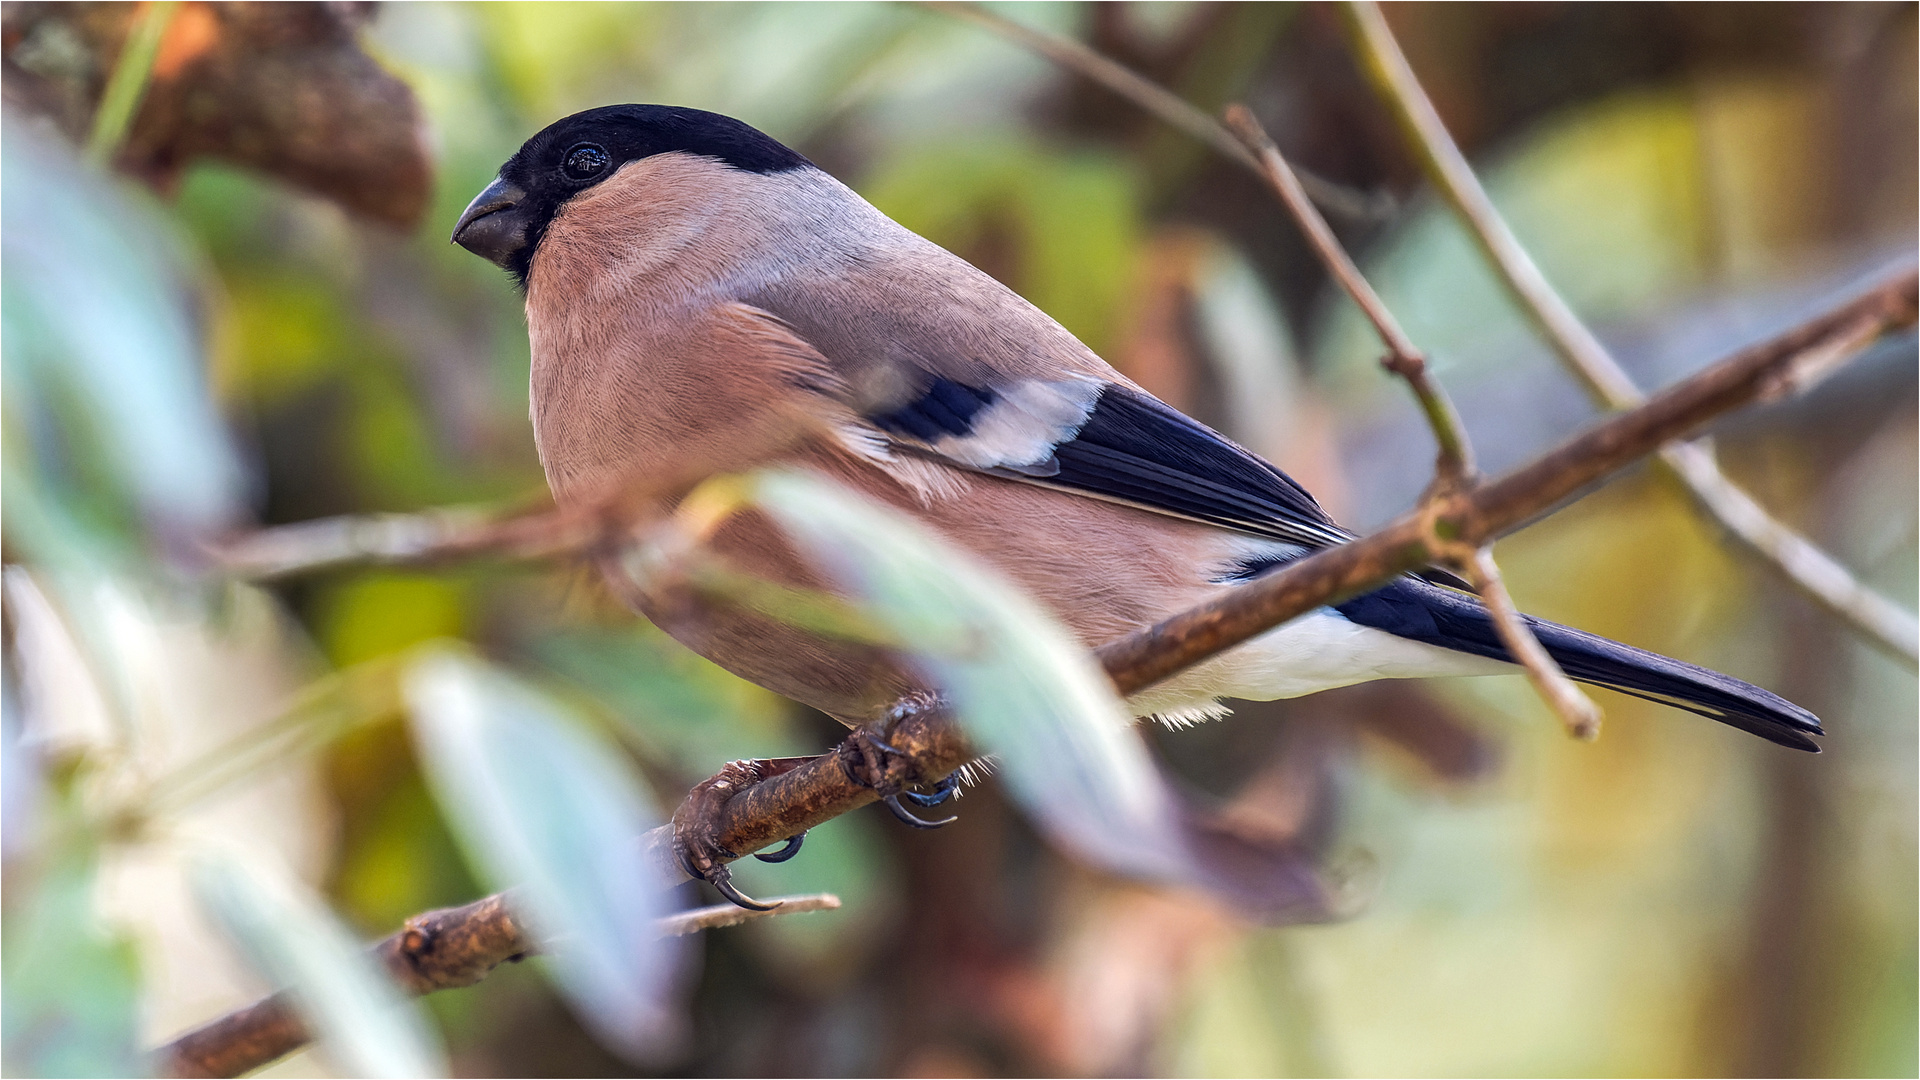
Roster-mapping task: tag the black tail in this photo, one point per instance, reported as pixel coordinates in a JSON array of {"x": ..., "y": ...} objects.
[{"x": 1414, "y": 609}]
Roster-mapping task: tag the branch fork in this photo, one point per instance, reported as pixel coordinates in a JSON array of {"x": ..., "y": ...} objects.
[{"x": 1453, "y": 468}]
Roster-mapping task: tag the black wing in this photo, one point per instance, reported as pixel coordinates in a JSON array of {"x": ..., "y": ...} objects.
[
  {"x": 1138, "y": 450},
  {"x": 1135, "y": 449}
]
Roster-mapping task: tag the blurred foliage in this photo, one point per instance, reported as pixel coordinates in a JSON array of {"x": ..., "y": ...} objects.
[
  {"x": 1673, "y": 899},
  {"x": 544, "y": 807},
  {"x": 72, "y": 987},
  {"x": 288, "y": 934}
]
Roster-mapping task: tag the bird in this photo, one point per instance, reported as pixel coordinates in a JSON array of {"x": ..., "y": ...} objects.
[{"x": 702, "y": 299}]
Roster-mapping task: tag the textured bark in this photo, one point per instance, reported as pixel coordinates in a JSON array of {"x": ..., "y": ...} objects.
[{"x": 436, "y": 950}]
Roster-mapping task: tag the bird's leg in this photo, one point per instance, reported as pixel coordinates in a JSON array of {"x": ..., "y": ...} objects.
[
  {"x": 697, "y": 823},
  {"x": 874, "y": 762}
]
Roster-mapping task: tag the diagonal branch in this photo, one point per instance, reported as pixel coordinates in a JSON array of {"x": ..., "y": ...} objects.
[
  {"x": 1803, "y": 564},
  {"x": 824, "y": 788},
  {"x": 436, "y": 950},
  {"x": 1575, "y": 709},
  {"x": 1454, "y": 465}
]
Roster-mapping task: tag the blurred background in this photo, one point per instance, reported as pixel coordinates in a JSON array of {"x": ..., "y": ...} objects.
[{"x": 260, "y": 322}]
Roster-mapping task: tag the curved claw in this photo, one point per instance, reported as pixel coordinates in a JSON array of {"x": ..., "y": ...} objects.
[
  {"x": 905, "y": 815},
  {"x": 787, "y": 850},
  {"x": 941, "y": 792},
  {"x": 723, "y": 881}
]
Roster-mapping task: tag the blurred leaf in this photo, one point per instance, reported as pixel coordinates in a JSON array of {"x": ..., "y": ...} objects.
[
  {"x": 1026, "y": 691},
  {"x": 20, "y": 780},
  {"x": 288, "y": 936},
  {"x": 689, "y": 711},
  {"x": 109, "y": 430},
  {"x": 71, "y": 987},
  {"x": 540, "y": 804}
]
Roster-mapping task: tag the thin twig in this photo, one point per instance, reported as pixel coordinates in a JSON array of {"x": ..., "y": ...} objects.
[
  {"x": 128, "y": 83},
  {"x": 1803, "y": 564},
  {"x": 1574, "y": 708},
  {"x": 443, "y": 953},
  {"x": 719, "y": 915},
  {"x": 1161, "y": 102},
  {"x": 399, "y": 540},
  {"x": 1454, "y": 464}
]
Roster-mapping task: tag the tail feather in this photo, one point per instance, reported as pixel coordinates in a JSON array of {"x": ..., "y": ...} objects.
[{"x": 1415, "y": 609}]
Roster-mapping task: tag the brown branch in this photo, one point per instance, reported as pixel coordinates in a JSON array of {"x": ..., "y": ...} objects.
[
  {"x": 1454, "y": 464},
  {"x": 1801, "y": 562},
  {"x": 437, "y": 950},
  {"x": 719, "y": 915},
  {"x": 1161, "y": 102},
  {"x": 420, "y": 539},
  {"x": 1574, "y": 708},
  {"x": 441, "y": 949}
]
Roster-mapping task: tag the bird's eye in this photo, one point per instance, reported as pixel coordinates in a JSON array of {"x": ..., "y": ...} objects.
[{"x": 584, "y": 162}]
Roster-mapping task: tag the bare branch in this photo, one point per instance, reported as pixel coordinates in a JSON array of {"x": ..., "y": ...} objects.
[
  {"x": 1161, "y": 102},
  {"x": 423, "y": 538},
  {"x": 718, "y": 915},
  {"x": 1574, "y": 708},
  {"x": 1454, "y": 464},
  {"x": 437, "y": 950},
  {"x": 1796, "y": 558}
]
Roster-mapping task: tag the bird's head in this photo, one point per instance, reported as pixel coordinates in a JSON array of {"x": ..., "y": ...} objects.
[{"x": 505, "y": 222}]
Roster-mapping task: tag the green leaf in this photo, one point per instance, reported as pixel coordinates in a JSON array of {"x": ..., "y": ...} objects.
[
  {"x": 540, "y": 804},
  {"x": 361, "y": 1019},
  {"x": 686, "y": 711}
]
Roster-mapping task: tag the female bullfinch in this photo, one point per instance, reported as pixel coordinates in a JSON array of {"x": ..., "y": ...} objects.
[{"x": 702, "y": 299}]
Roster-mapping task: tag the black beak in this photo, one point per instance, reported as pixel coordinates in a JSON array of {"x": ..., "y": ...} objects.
[{"x": 493, "y": 226}]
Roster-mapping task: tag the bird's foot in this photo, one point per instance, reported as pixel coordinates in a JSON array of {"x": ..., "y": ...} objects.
[
  {"x": 942, "y": 791},
  {"x": 874, "y": 762},
  {"x": 697, "y": 826}
]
